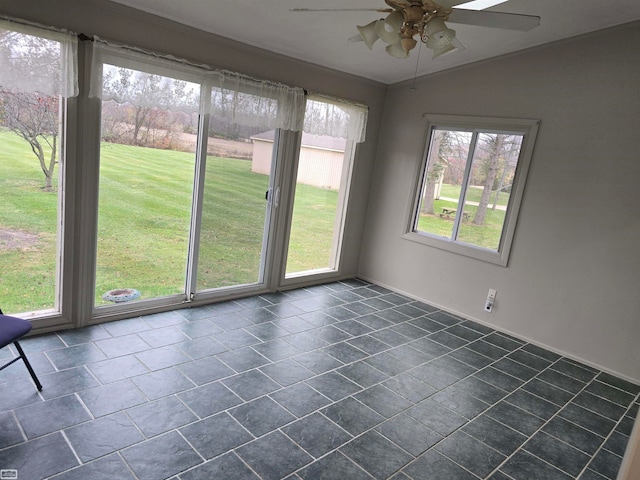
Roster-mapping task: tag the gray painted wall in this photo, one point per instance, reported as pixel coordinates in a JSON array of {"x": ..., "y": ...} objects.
[{"x": 572, "y": 280}]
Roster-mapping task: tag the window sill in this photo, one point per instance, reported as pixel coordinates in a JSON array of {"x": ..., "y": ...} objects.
[{"x": 478, "y": 253}]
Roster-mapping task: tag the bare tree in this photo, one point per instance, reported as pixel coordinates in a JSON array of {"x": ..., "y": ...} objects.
[
  {"x": 496, "y": 163},
  {"x": 146, "y": 98},
  {"x": 491, "y": 165},
  {"x": 33, "y": 117},
  {"x": 448, "y": 154}
]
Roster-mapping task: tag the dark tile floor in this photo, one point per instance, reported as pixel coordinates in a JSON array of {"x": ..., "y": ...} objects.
[{"x": 341, "y": 381}]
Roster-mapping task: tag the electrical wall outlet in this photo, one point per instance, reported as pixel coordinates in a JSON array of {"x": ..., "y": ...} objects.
[{"x": 491, "y": 300}]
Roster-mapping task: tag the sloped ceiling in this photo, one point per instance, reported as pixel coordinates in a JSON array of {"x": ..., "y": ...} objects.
[{"x": 322, "y": 37}]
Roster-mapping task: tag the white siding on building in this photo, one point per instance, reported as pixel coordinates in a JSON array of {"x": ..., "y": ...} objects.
[{"x": 319, "y": 167}]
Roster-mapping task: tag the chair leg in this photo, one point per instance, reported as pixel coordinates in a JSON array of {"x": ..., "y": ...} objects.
[{"x": 28, "y": 365}]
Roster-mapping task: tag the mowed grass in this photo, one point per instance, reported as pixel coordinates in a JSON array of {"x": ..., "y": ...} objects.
[
  {"x": 27, "y": 230},
  {"x": 473, "y": 194},
  {"x": 144, "y": 217},
  {"x": 486, "y": 235},
  {"x": 314, "y": 214}
]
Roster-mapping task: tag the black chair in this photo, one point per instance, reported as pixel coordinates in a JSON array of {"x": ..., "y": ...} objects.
[{"x": 11, "y": 330}]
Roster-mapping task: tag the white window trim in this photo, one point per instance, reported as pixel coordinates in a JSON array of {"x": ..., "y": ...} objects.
[{"x": 529, "y": 129}]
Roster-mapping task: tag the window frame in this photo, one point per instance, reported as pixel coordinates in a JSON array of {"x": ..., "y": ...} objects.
[
  {"x": 58, "y": 315},
  {"x": 529, "y": 129},
  {"x": 335, "y": 263}
]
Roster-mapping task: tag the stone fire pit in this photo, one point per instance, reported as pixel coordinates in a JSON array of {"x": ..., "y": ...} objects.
[{"x": 120, "y": 295}]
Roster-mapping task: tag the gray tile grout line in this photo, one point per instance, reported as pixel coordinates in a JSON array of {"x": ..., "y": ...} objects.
[
  {"x": 177, "y": 430},
  {"x": 133, "y": 474},
  {"x": 73, "y": 450},
  {"x": 22, "y": 431}
]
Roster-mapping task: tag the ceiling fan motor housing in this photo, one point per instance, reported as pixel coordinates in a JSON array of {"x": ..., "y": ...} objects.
[{"x": 417, "y": 15}]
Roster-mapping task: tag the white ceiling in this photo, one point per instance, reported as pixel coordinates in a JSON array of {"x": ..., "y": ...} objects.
[{"x": 322, "y": 37}]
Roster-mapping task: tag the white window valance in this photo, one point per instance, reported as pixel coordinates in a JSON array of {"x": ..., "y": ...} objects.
[
  {"x": 335, "y": 118},
  {"x": 243, "y": 100},
  {"x": 35, "y": 59},
  {"x": 228, "y": 96},
  {"x": 118, "y": 73},
  {"x": 126, "y": 75}
]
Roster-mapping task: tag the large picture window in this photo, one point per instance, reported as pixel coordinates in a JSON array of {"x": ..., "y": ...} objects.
[
  {"x": 37, "y": 74},
  {"x": 470, "y": 185}
]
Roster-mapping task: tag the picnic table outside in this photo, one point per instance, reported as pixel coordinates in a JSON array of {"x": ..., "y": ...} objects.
[{"x": 448, "y": 212}]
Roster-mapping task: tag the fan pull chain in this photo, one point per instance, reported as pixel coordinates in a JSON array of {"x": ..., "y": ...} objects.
[{"x": 415, "y": 74}]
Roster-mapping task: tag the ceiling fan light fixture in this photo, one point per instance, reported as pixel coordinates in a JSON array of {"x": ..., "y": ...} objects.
[
  {"x": 440, "y": 38},
  {"x": 455, "y": 46},
  {"x": 437, "y": 30},
  {"x": 368, "y": 33},
  {"x": 389, "y": 29},
  {"x": 443, "y": 50},
  {"x": 396, "y": 50},
  {"x": 408, "y": 43}
]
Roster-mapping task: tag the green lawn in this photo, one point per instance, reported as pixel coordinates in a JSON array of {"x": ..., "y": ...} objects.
[
  {"x": 144, "y": 213},
  {"x": 312, "y": 224},
  {"x": 487, "y": 235},
  {"x": 29, "y": 212},
  {"x": 473, "y": 194}
]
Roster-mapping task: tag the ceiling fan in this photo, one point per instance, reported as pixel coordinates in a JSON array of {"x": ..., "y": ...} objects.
[{"x": 426, "y": 19}]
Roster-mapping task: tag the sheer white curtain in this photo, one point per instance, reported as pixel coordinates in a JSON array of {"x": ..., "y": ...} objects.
[
  {"x": 231, "y": 97},
  {"x": 126, "y": 75},
  {"x": 239, "y": 99},
  {"x": 234, "y": 98},
  {"x": 34, "y": 59},
  {"x": 335, "y": 118}
]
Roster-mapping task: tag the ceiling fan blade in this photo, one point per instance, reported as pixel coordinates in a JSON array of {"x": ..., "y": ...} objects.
[
  {"x": 471, "y": 4},
  {"x": 483, "y": 18},
  {"x": 382, "y": 10},
  {"x": 451, "y": 3}
]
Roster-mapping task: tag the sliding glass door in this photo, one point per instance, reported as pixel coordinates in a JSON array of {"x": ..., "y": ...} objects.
[
  {"x": 189, "y": 180},
  {"x": 236, "y": 207},
  {"x": 147, "y": 164},
  {"x": 186, "y": 189},
  {"x": 323, "y": 177},
  {"x": 239, "y": 192}
]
